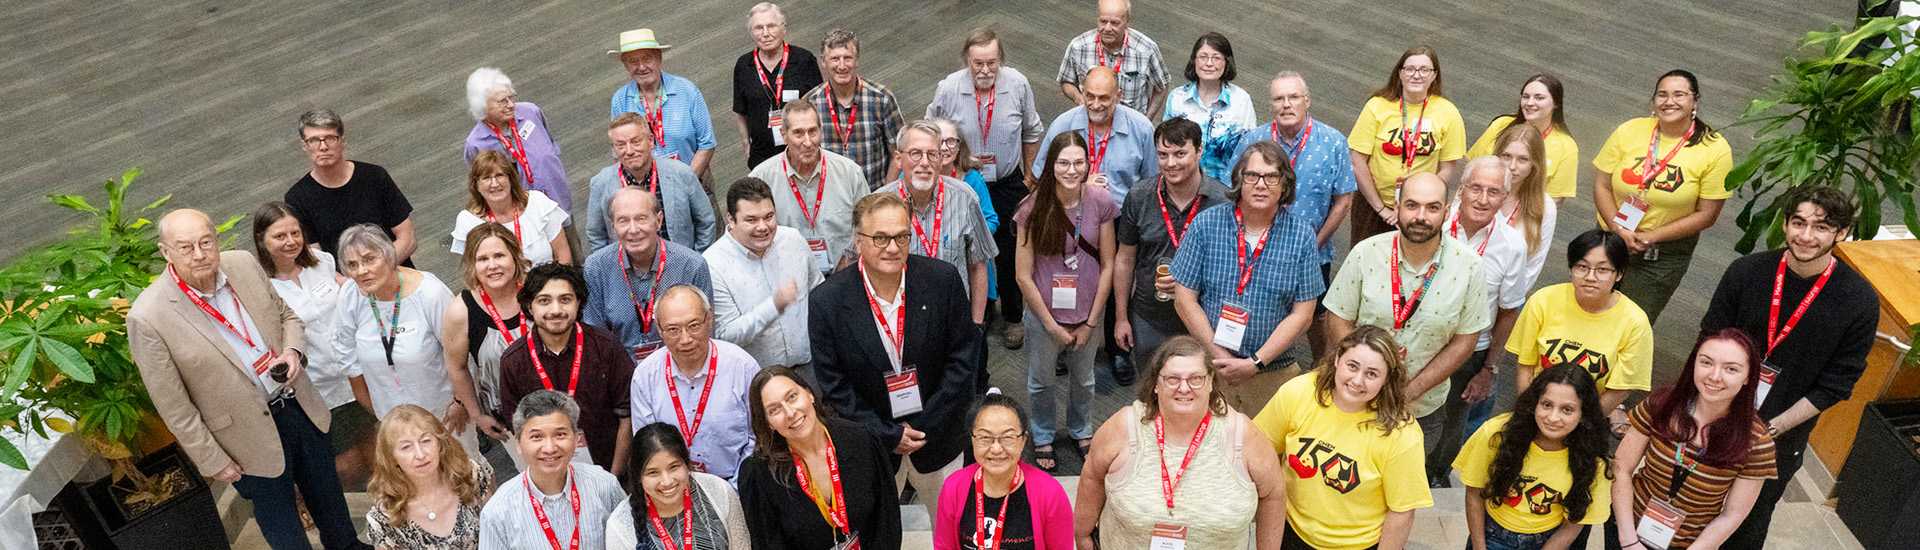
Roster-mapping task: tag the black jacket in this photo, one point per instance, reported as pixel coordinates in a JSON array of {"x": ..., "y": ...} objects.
[
  {"x": 781, "y": 516},
  {"x": 850, "y": 362}
]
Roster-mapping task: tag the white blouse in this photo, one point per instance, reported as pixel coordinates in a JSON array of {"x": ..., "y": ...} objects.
[
  {"x": 418, "y": 374},
  {"x": 540, "y": 222},
  {"x": 313, "y": 295}
]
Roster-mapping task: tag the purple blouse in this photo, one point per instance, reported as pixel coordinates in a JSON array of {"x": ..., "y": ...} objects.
[
  {"x": 543, "y": 155},
  {"x": 1094, "y": 209}
]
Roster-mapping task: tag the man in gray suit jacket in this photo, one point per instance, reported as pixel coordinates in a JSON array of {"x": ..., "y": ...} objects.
[{"x": 220, "y": 356}]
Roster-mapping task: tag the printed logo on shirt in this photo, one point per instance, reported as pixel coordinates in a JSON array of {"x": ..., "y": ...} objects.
[
  {"x": 1669, "y": 179},
  {"x": 1561, "y": 351},
  {"x": 1315, "y": 456},
  {"x": 1426, "y": 147},
  {"x": 1538, "y": 497}
]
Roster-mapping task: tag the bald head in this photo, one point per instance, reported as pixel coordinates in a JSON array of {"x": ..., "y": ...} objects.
[
  {"x": 633, "y": 216},
  {"x": 1424, "y": 187},
  {"x": 191, "y": 246},
  {"x": 1101, "y": 78},
  {"x": 183, "y": 219},
  {"x": 1114, "y": 16},
  {"x": 1098, "y": 93}
]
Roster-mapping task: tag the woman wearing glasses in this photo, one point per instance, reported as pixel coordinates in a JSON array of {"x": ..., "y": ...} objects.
[
  {"x": 1000, "y": 502},
  {"x": 1588, "y": 324},
  {"x": 1406, "y": 127},
  {"x": 1658, "y": 182},
  {"x": 1210, "y": 99},
  {"x": 1179, "y": 464},
  {"x": 389, "y": 333},
  {"x": 1066, "y": 246}
]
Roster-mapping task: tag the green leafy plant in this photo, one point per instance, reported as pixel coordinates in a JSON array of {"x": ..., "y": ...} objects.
[{"x": 1837, "y": 116}]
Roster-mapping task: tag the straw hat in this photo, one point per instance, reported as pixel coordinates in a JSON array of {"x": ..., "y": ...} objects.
[{"x": 638, "y": 39}]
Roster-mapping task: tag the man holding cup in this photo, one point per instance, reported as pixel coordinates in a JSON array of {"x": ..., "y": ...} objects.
[{"x": 1150, "y": 229}]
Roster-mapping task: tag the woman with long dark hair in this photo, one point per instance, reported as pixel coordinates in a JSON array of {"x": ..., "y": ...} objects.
[
  {"x": 670, "y": 506},
  {"x": 1542, "y": 106},
  {"x": 814, "y": 482},
  {"x": 1536, "y": 476},
  {"x": 1691, "y": 467}
]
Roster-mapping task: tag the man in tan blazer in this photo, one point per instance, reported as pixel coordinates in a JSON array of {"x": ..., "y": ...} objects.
[{"x": 220, "y": 356}]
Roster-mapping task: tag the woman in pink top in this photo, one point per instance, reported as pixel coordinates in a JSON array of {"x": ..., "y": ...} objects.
[{"x": 999, "y": 502}]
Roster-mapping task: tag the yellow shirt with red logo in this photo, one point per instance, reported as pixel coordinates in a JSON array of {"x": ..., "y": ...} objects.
[
  {"x": 1343, "y": 475},
  {"x": 1562, "y": 162},
  {"x": 1615, "y": 346},
  {"x": 1377, "y": 134},
  {"x": 1534, "y": 505},
  {"x": 1697, "y": 172}
]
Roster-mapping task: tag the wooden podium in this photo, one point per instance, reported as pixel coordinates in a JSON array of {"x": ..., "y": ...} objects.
[{"x": 1893, "y": 267}]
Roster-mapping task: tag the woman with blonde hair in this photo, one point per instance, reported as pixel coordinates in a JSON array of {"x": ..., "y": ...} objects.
[
  {"x": 495, "y": 195},
  {"x": 1528, "y": 207},
  {"x": 477, "y": 329},
  {"x": 427, "y": 492}
]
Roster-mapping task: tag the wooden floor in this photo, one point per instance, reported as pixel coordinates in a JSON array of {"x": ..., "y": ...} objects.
[{"x": 204, "y": 96}]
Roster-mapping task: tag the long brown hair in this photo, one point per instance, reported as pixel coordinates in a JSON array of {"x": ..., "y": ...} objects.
[
  {"x": 1555, "y": 91},
  {"x": 1391, "y": 91},
  {"x": 390, "y": 487},
  {"x": 1047, "y": 224},
  {"x": 1531, "y": 191},
  {"x": 1730, "y": 438},
  {"x": 1179, "y": 346},
  {"x": 1391, "y": 407},
  {"x": 486, "y": 163},
  {"x": 479, "y": 234},
  {"x": 769, "y": 444}
]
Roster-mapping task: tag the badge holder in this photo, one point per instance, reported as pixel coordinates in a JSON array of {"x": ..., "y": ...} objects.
[
  {"x": 818, "y": 248},
  {"x": 641, "y": 351},
  {"x": 847, "y": 541},
  {"x": 986, "y": 165},
  {"x": 1232, "y": 328},
  {"x": 1168, "y": 536},
  {"x": 274, "y": 380},
  {"x": 776, "y": 118},
  {"x": 1659, "y": 524},
  {"x": 903, "y": 391},
  {"x": 1631, "y": 212},
  {"x": 1066, "y": 291},
  {"x": 1768, "y": 373}
]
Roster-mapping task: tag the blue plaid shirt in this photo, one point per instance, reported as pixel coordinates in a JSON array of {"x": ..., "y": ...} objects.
[
  {"x": 1287, "y": 272},
  {"x": 689, "y": 125},
  {"x": 1324, "y": 172},
  {"x": 609, "y": 306}
]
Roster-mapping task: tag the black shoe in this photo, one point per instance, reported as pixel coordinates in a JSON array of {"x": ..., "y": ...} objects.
[{"x": 1122, "y": 370}]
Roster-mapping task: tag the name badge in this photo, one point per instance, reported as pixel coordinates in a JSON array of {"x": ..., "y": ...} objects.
[
  {"x": 1232, "y": 327},
  {"x": 774, "y": 120},
  {"x": 675, "y": 156},
  {"x": 1066, "y": 291},
  {"x": 1167, "y": 536},
  {"x": 789, "y": 95},
  {"x": 851, "y": 542},
  {"x": 641, "y": 351},
  {"x": 1631, "y": 212},
  {"x": 1768, "y": 373},
  {"x": 903, "y": 391},
  {"x": 987, "y": 166},
  {"x": 818, "y": 248},
  {"x": 260, "y": 370},
  {"x": 1659, "y": 524}
]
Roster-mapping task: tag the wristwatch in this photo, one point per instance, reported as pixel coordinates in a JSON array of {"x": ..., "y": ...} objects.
[{"x": 1773, "y": 430}]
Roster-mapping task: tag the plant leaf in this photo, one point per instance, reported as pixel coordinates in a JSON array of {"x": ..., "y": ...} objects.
[
  {"x": 68, "y": 359},
  {"x": 11, "y": 456}
]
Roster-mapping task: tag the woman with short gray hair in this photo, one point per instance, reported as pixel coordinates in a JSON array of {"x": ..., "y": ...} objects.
[
  {"x": 388, "y": 340},
  {"x": 517, "y": 128}
]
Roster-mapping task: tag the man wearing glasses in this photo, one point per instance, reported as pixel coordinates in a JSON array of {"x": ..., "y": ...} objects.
[
  {"x": 945, "y": 220},
  {"x": 337, "y": 193},
  {"x": 1248, "y": 278},
  {"x": 897, "y": 358}
]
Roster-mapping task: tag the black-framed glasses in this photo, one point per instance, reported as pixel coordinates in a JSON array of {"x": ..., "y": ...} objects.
[
  {"x": 1268, "y": 180},
  {"x": 902, "y": 240},
  {"x": 1005, "y": 441}
]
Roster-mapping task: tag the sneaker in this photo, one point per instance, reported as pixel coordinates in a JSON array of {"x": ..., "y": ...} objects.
[
  {"x": 1015, "y": 336},
  {"x": 1122, "y": 370}
]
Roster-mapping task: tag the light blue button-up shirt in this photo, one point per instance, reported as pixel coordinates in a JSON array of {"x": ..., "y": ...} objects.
[
  {"x": 1324, "y": 172},
  {"x": 1129, "y": 157},
  {"x": 726, "y": 435},
  {"x": 689, "y": 125}
]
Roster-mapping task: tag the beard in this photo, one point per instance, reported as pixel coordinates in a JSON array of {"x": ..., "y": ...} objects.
[{"x": 1418, "y": 232}]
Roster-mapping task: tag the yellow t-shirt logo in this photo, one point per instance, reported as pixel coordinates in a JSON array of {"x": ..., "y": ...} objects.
[{"x": 1316, "y": 456}]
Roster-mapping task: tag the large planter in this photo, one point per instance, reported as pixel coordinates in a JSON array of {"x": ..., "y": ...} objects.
[
  {"x": 190, "y": 519},
  {"x": 1879, "y": 488}
]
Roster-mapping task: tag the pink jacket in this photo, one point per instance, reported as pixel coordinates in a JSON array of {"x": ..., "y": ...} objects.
[{"x": 1052, "y": 509}]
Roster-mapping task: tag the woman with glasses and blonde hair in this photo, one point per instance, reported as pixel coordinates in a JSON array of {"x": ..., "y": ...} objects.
[
  {"x": 427, "y": 492},
  {"x": 1347, "y": 430},
  {"x": 1408, "y": 126},
  {"x": 999, "y": 501},
  {"x": 1179, "y": 463},
  {"x": 477, "y": 329},
  {"x": 495, "y": 195}
]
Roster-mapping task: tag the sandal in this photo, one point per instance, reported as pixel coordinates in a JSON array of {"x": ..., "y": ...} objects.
[
  {"x": 1085, "y": 446},
  {"x": 1043, "y": 458}
]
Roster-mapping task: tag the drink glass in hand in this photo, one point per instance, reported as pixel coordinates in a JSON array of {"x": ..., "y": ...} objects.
[{"x": 1162, "y": 268}]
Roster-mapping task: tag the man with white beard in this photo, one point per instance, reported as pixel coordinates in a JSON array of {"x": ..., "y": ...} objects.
[{"x": 946, "y": 220}]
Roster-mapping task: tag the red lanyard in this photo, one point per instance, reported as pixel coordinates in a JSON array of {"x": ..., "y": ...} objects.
[
  {"x": 644, "y": 311},
  {"x": 1403, "y": 307},
  {"x": 853, "y": 115},
  {"x": 986, "y": 121},
  {"x": 980, "y": 510},
  {"x": 1649, "y": 170},
  {"x": 498, "y": 322},
  {"x": 653, "y": 182},
  {"x": 1294, "y": 158},
  {"x": 1169, "y": 484},
  {"x": 540, "y": 512},
  {"x": 657, "y": 119},
  {"x": 579, "y": 351},
  {"x": 517, "y": 148},
  {"x": 686, "y": 524},
  {"x": 238, "y": 330},
  {"x": 687, "y": 431},
  {"x": 1240, "y": 250},
  {"x": 1775, "y": 332},
  {"x": 898, "y": 339},
  {"x": 779, "y": 77},
  {"x": 1453, "y": 230},
  {"x": 929, "y": 242},
  {"x": 838, "y": 508},
  {"x": 1119, "y": 57},
  {"x": 516, "y": 226},
  {"x": 819, "y": 194},
  {"x": 1167, "y": 218},
  {"x": 1097, "y": 149},
  {"x": 1410, "y": 141}
]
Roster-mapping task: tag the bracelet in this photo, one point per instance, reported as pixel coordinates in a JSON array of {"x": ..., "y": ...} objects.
[{"x": 1630, "y": 545}]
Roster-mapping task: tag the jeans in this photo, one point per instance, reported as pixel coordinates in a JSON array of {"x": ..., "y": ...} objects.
[
  {"x": 309, "y": 460},
  {"x": 1146, "y": 338},
  {"x": 1042, "y": 354},
  {"x": 1499, "y": 538}
]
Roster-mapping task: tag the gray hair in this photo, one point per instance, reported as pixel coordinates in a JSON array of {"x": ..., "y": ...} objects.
[
  {"x": 368, "y": 237},
  {"x": 921, "y": 125},
  {"x": 479, "y": 84},
  {"x": 544, "y": 402},
  {"x": 1486, "y": 162},
  {"x": 1286, "y": 74},
  {"x": 324, "y": 119},
  {"x": 766, "y": 7},
  {"x": 840, "y": 38},
  {"x": 683, "y": 288}
]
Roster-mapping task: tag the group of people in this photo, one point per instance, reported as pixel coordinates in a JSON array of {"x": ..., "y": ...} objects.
[{"x": 767, "y": 378}]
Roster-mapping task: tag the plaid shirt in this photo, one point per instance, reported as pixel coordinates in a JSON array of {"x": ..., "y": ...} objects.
[
  {"x": 1287, "y": 271},
  {"x": 1142, "y": 73},
  {"x": 874, "y": 126}
]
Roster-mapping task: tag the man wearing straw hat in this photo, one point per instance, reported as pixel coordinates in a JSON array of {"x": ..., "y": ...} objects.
[{"x": 672, "y": 105}]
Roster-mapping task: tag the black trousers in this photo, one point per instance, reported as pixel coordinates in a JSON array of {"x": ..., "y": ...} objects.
[
  {"x": 1790, "y": 450},
  {"x": 1007, "y": 192},
  {"x": 309, "y": 459}
]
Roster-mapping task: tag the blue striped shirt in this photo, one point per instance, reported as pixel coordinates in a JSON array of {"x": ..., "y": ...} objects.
[
  {"x": 1287, "y": 271},
  {"x": 609, "y": 306},
  {"x": 684, "y": 114},
  {"x": 1324, "y": 172}
]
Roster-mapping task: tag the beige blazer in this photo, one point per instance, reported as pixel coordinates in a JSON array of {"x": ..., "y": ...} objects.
[{"x": 202, "y": 390}]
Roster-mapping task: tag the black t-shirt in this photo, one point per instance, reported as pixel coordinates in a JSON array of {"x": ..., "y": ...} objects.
[
  {"x": 1826, "y": 352},
  {"x": 1019, "y": 525},
  {"x": 369, "y": 196},
  {"x": 752, "y": 100}
]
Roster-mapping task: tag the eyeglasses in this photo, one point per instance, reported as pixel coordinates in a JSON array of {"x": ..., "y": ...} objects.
[
  {"x": 1268, "y": 180},
  {"x": 676, "y": 331},
  {"x": 1005, "y": 441},
  {"x": 884, "y": 241},
  {"x": 207, "y": 245},
  {"x": 1581, "y": 271},
  {"x": 317, "y": 141},
  {"x": 508, "y": 99},
  {"x": 1418, "y": 71},
  {"x": 918, "y": 155},
  {"x": 949, "y": 144},
  {"x": 1477, "y": 191},
  {"x": 1193, "y": 381},
  {"x": 1676, "y": 96},
  {"x": 1211, "y": 58}
]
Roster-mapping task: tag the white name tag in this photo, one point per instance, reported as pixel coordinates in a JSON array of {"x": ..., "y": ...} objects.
[
  {"x": 1659, "y": 524},
  {"x": 1768, "y": 373},
  {"x": 986, "y": 166},
  {"x": 1631, "y": 212},
  {"x": 789, "y": 95},
  {"x": 1066, "y": 291},
  {"x": 1167, "y": 536},
  {"x": 1232, "y": 328},
  {"x": 775, "y": 119},
  {"x": 818, "y": 247},
  {"x": 903, "y": 392}
]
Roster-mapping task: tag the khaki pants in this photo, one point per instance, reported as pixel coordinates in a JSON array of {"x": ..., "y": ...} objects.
[
  {"x": 1250, "y": 395},
  {"x": 926, "y": 486}
]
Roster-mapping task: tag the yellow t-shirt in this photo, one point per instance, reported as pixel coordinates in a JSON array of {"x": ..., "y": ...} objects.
[
  {"x": 1614, "y": 346},
  {"x": 1342, "y": 478},
  {"x": 1533, "y": 506},
  {"x": 1563, "y": 157},
  {"x": 1696, "y": 172},
  {"x": 1442, "y": 137}
]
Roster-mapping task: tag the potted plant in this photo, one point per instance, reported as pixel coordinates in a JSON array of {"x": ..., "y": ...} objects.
[{"x": 67, "y": 369}]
